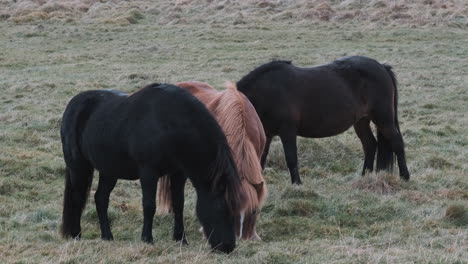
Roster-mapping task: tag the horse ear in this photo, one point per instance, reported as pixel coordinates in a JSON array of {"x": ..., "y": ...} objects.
[
  {"x": 230, "y": 85},
  {"x": 258, "y": 187}
]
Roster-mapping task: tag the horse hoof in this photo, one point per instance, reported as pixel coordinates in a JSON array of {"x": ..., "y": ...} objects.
[
  {"x": 181, "y": 239},
  {"x": 184, "y": 242},
  {"x": 405, "y": 177},
  {"x": 256, "y": 237},
  {"x": 202, "y": 232},
  {"x": 76, "y": 236},
  {"x": 148, "y": 240},
  {"x": 224, "y": 248},
  {"x": 107, "y": 238}
]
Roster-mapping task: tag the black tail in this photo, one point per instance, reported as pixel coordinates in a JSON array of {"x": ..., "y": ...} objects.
[
  {"x": 385, "y": 155},
  {"x": 224, "y": 172},
  {"x": 395, "y": 93},
  {"x": 79, "y": 173},
  {"x": 77, "y": 187}
]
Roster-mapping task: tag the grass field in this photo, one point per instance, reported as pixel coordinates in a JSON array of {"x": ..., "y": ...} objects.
[{"x": 337, "y": 216}]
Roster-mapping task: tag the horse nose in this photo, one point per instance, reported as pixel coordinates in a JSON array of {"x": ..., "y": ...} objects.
[{"x": 226, "y": 247}]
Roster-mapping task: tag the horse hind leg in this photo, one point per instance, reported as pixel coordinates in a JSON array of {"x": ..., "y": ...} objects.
[
  {"x": 369, "y": 143},
  {"x": 149, "y": 185},
  {"x": 290, "y": 150},
  {"x": 177, "y": 196},
  {"x": 265, "y": 151},
  {"x": 390, "y": 140},
  {"x": 101, "y": 197}
]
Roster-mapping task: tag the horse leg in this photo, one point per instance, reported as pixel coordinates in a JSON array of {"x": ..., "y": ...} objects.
[
  {"x": 101, "y": 197},
  {"x": 177, "y": 196},
  {"x": 265, "y": 151},
  {"x": 369, "y": 143},
  {"x": 149, "y": 184},
  {"x": 249, "y": 228},
  {"x": 290, "y": 150}
]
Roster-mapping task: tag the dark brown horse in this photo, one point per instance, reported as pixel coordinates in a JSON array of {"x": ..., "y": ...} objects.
[{"x": 326, "y": 100}]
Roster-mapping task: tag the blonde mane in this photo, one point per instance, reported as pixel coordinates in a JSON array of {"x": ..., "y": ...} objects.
[
  {"x": 245, "y": 135},
  {"x": 243, "y": 131}
]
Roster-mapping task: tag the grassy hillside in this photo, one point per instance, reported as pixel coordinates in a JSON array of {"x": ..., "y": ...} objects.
[{"x": 337, "y": 216}]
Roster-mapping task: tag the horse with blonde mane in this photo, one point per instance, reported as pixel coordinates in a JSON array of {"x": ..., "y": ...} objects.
[{"x": 245, "y": 135}]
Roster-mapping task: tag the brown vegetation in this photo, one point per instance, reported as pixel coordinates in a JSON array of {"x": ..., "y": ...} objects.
[
  {"x": 378, "y": 12},
  {"x": 382, "y": 183}
]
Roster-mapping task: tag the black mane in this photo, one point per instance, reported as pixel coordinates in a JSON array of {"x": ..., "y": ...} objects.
[{"x": 251, "y": 76}]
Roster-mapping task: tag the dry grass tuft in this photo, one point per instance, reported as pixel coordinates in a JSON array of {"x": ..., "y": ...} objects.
[
  {"x": 457, "y": 213},
  {"x": 381, "y": 183},
  {"x": 30, "y": 17},
  {"x": 299, "y": 192},
  {"x": 131, "y": 17},
  {"x": 452, "y": 194},
  {"x": 416, "y": 197}
]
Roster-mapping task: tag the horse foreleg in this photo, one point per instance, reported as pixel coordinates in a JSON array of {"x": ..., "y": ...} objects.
[
  {"x": 149, "y": 184},
  {"x": 249, "y": 227},
  {"x": 265, "y": 151},
  {"x": 290, "y": 151},
  {"x": 101, "y": 197},
  {"x": 177, "y": 194},
  {"x": 369, "y": 143}
]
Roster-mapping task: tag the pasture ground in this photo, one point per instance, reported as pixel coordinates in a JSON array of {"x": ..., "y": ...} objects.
[{"x": 337, "y": 216}]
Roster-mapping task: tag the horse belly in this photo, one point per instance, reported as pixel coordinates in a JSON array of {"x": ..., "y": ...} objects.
[
  {"x": 116, "y": 166},
  {"x": 326, "y": 124},
  {"x": 108, "y": 159}
]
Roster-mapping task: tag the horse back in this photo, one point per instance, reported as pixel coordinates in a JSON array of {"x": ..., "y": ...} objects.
[
  {"x": 172, "y": 121},
  {"x": 202, "y": 91},
  {"x": 334, "y": 95}
]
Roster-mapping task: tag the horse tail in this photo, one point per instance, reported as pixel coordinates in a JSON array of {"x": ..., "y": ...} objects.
[
  {"x": 164, "y": 201},
  {"x": 395, "y": 93},
  {"x": 78, "y": 172},
  {"x": 224, "y": 172},
  {"x": 385, "y": 155},
  {"x": 77, "y": 187}
]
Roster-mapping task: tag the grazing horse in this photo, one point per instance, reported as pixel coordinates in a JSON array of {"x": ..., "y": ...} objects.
[
  {"x": 161, "y": 129},
  {"x": 326, "y": 100},
  {"x": 245, "y": 136}
]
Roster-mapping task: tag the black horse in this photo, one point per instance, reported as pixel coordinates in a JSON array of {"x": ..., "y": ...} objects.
[
  {"x": 161, "y": 129},
  {"x": 326, "y": 100}
]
